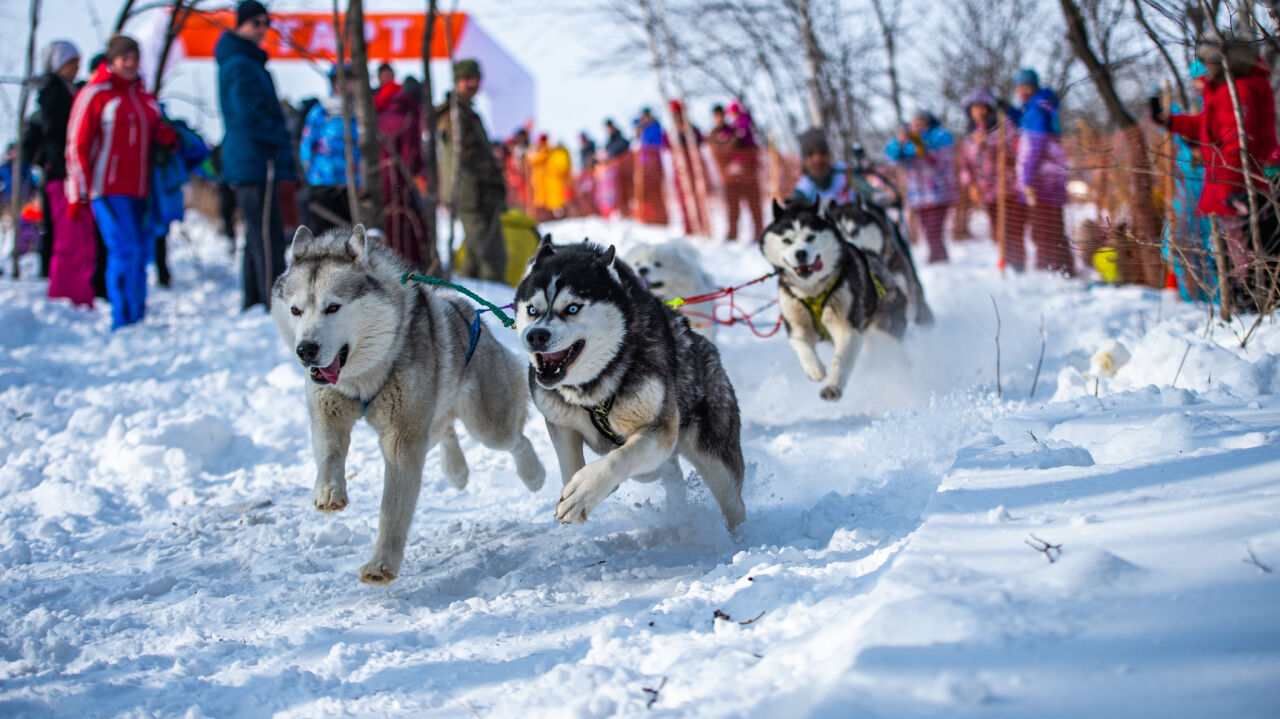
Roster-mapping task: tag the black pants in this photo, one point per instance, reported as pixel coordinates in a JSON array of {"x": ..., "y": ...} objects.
[
  {"x": 256, "y": 277},
  {"x": 227, "y": 208}
]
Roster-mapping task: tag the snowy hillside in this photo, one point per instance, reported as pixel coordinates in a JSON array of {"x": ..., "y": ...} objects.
[{"x": 160, "y": 555}]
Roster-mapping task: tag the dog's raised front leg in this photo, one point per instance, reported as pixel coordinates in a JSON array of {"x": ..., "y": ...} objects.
[
  {"x": 643, "y": 452},
  {"x": 804, "y": 349},
  {"x": 848, "y": 342},
  {"x": 332, "y": 417},
  {"x": 568, "y": 445},
  {"x": 404, "y": 455}
]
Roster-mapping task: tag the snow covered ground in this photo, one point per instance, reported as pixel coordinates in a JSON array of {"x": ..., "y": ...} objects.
[{"x": 160, "y": 556}]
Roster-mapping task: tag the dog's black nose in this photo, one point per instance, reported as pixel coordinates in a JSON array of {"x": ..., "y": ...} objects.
[
  {"x": 307, "y": 351},
  {"x": 643, "y": 271},
  {"x": 538, "y": 337},
  {"x": 802, "y": 255}
]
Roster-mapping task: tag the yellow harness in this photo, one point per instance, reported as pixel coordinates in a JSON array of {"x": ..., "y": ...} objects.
[{"x": 817, "y": 304}]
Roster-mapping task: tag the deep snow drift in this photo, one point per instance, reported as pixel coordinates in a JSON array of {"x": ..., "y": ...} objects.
[{"x": 161, "y": 557}]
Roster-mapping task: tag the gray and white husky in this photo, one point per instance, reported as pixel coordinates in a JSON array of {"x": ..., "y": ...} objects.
[
  {"x": 395, "y": 354},
  {"x": 828, "y": 289},
  {"x": 614, "y": 368},
  {"x": 869, "y": 228}
]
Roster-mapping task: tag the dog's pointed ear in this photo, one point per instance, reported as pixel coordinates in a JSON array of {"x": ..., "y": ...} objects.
[
  {"x": 301, "y": 238},
  {"x": 545, "y": 250},
  {"x": 609, "y": 255},
  {"x": 777, "y": 209},
  {"x": 358, "y": 243},
  {"x": 823, "y": 208}
]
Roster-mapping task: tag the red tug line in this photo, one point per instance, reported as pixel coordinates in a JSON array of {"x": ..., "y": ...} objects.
[{"x": 736, "y": 313}]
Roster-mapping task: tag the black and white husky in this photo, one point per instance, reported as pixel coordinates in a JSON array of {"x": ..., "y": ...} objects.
[
  {"x": 869, "y": 228},
  {"x": 614, "y": 368},
  {"x": 828, "y": 289}
]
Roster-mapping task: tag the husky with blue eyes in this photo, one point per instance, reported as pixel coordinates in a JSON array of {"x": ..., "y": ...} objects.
[
  {"x": 614, "y": 368},
  {"x": 828, "y": 290}
]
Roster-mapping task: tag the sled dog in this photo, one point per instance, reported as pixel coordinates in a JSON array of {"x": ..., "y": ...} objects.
[
  {"x": 396, "y": 354},
  {"x": 828, "y": 289},
  {"x": 614, "y": 368},
  {"x": 869, "y": 228},
  {"x": 671, "y": 269}
]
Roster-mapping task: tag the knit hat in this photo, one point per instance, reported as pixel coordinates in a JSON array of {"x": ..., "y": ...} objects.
[
  {"x": 248, "y": 10},
  {"x": 1197, "y": 69},
  {"x": 1027, "y": 76},
  {"x": 465, "y": 69},
  {"x": 120, "y": 45},
  {"x": 981, "y": 96},
  {"x": 59, "y": 53},
  {"x": 676, "y": 108},
  {"x": 813, "y": 140}
]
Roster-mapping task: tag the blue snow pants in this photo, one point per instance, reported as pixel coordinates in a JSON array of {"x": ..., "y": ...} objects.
[{"x": 120, "y": 220}]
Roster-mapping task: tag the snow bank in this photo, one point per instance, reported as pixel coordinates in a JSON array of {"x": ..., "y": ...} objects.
[{"x": 160, "y": 555}]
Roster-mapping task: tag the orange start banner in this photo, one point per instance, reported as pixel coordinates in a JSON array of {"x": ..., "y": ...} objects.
[{"x": 311, "y": 36}]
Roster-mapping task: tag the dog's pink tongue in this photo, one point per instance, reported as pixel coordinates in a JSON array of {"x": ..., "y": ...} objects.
[
  {"x": 555, "y": 356},
  {"x": 330, "y": 373},
  {"x": 816, "y": 266}
]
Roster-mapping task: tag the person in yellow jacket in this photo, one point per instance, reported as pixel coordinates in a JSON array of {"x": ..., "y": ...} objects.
[
  {"x": 559, "y": 179},
  {"x": 537, "y": 160}
]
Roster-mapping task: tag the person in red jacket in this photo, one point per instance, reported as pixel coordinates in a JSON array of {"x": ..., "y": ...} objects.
[
  {"x": 114, "y": 123},
  {"x": 1214, "y": 131}
]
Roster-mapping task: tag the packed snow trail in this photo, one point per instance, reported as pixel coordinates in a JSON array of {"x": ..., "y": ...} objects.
[{"x": 161, "y": 556}]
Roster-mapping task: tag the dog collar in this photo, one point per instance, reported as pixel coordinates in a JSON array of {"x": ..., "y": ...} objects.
[{"x": 600, "y": 419}]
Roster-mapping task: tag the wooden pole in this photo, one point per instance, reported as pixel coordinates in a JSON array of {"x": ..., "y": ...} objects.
[
  {"x": 455, "y": 139},
  {"x": 1002, "y": 187},
  {"x": 435, "y": 267},
  {"x": 16, "y": 175}
]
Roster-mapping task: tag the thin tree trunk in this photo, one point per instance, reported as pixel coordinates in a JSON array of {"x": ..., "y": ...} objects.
[
  {"x": 16, "y": 175},
  {"x": 125, "y": 13},
  {"x": 1145, "y": 225},
  {"x": 1173, "y": 69},
  {"x": 889, "y": 31},
  {"x": 693, "y": 150},
  {"x": 435, "y": 267},
  {"x": 813, "y": 58},
  {"x": 348, "y": 152},
  {"x": 1259, "y": 273},
  {"x": 177, "y": 21},
  {"x": 370, "y": 202}
]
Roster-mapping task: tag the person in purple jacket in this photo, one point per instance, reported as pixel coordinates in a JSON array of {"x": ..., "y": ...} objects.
[{"x": 1042, "y": 173}]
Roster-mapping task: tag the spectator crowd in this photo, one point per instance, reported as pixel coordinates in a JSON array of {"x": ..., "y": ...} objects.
[{"x": 106, "y": 166}]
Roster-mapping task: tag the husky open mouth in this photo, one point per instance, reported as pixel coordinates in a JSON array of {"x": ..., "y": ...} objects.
[
  {"x": 803, "y": 271},
  {"x": 329, "y": 375},
  {"x": 551, "y": 366}
]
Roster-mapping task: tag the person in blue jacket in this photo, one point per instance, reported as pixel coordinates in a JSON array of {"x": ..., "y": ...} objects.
[
  {"x": 324, "y": 155},
  {"x": 256, "y": 154}
]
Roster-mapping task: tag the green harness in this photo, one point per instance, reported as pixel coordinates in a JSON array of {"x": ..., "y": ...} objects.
[{"x": 600, "y": 418}]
